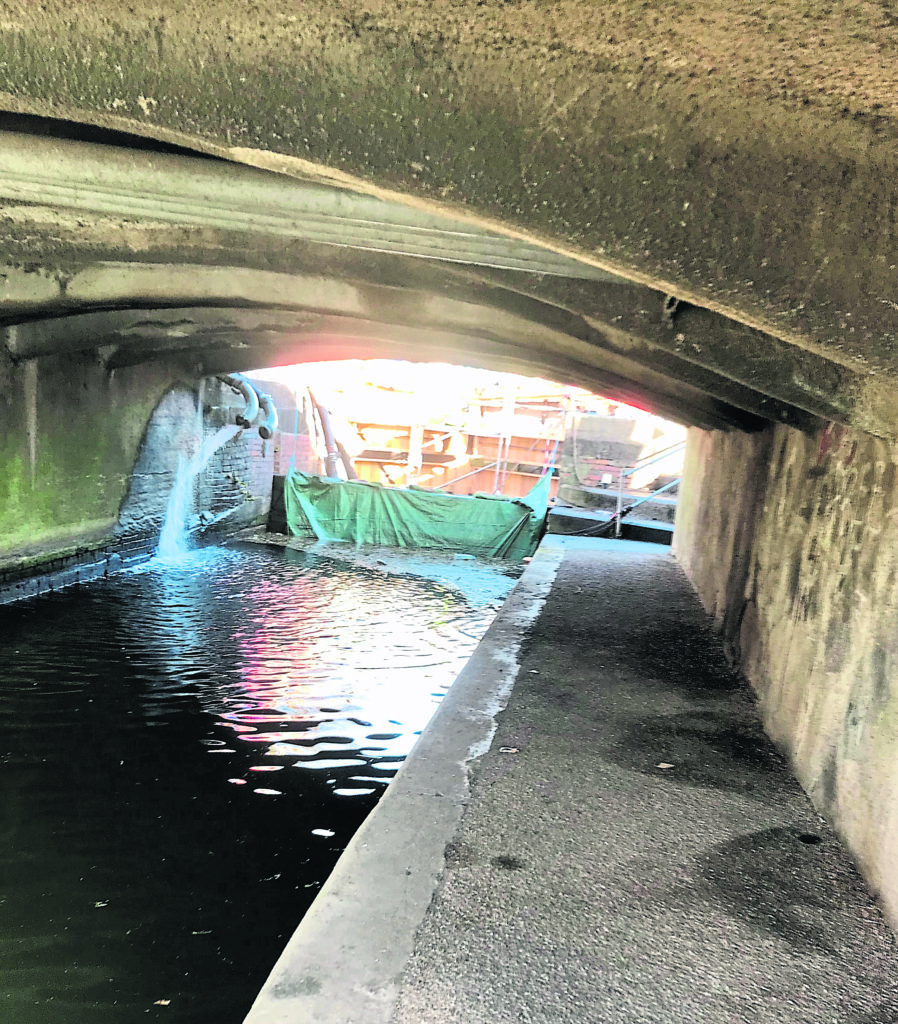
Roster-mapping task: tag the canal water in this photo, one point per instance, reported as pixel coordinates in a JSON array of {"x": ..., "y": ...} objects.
[{"x": 185, "y": 750}]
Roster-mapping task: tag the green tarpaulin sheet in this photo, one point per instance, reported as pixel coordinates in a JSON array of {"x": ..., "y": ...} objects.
[{"x": 414, "y": 517}]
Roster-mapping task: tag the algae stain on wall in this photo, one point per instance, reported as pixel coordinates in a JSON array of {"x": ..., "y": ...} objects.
[
  {"x": 31, "y": 428},
  {"x": 71, "y": 436}
]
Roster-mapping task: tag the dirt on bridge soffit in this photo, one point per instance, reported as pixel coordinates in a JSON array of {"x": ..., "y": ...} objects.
[{"x": 740, "y": 157}]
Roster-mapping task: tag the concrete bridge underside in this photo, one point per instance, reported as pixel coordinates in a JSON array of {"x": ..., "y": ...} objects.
[{"x": 690, "y": 208}]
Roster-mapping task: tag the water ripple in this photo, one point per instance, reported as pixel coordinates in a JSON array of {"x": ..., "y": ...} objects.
[{"x": 140, "y": 720}]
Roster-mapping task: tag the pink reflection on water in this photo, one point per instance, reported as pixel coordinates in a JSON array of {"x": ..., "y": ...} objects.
[
  {"x": 332, "y": 658},
  {"x": 283, "y": 679}
]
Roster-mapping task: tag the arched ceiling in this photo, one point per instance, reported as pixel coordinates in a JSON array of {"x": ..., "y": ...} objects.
[
  {"x": 446, "y": 180},
  {"x": 164, "y": 256}
]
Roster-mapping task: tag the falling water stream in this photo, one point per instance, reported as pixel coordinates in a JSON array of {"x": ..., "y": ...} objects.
[
  {"x": 186, "y": 749},
  {"x": 173, "y": 541}
]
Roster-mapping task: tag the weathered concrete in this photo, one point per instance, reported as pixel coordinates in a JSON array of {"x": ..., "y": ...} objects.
[
  {"x": 632, "y": 848},
  {"x": 689, "y": 144},
  {"x": 792, "y": 543},
  {"x": 111, "y": 226},
  {"x": 71, "y": 434}
]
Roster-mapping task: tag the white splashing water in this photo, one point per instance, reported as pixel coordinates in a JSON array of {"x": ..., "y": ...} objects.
[{"x": 173, "y": 541}]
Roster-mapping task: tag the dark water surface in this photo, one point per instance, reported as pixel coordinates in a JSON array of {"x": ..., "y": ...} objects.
[{"x": 185, "y": 750}]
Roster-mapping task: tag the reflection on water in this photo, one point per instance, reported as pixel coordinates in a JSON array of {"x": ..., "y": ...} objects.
[{"x": 185, "y": 751}]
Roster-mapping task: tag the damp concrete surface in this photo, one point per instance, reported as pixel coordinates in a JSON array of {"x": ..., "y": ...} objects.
[{"x": 627, "y": 846}]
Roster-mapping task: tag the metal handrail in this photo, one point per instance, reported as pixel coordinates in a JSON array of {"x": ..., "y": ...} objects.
[
  {"x": 465, "y": 476},
  {"x": 657, "y": 457},
  {"x": 615, "y": 520}
]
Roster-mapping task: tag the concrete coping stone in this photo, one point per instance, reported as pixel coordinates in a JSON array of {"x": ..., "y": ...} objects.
[{"x": 69, "y": 571}]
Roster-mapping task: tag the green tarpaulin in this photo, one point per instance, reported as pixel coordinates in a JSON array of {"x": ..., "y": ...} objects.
[{"x": 415, "y": 517}]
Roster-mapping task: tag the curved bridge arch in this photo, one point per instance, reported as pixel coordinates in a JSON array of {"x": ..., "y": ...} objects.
[{"x": 123, "y": 228}]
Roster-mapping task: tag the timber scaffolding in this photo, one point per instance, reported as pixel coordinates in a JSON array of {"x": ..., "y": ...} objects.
[{"x": 487, "y": 455}]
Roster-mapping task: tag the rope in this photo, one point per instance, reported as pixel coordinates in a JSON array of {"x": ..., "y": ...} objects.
[{"x": 599, "y": 528}]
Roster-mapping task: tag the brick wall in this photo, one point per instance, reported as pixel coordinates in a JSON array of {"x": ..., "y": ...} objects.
[{"x": 231, "y": 492}]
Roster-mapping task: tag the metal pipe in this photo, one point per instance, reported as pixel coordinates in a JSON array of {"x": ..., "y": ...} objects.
[
  {"x": 465, "y": 476},
  {"x": 239, "y": 383},
  {"x": 654, "y": 494},
  {"x": 270, "y": 424},
  {"x": 499, "y": 447},
  {"x": 346, "y": 459},
  {"x": 436, "y": 440},
  {"x": 330, "y": 445}
]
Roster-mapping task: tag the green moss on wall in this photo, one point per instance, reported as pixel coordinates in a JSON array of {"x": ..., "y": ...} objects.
[{"x": 65, "y": 466}]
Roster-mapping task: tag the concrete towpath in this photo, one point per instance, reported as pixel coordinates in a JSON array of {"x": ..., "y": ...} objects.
[{"x": 630, "y": 848}]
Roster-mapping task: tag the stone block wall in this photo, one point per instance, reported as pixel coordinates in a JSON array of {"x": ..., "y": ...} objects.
[
  {"x": 235, "y": 490},
  {"x": 792, "y": 544},
  {"x": 601, "y": 445},
  {"x": 592, "y": 439}
]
